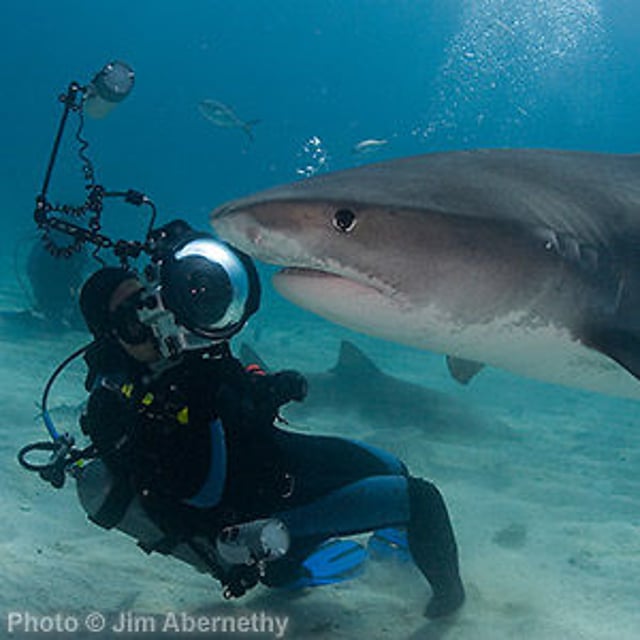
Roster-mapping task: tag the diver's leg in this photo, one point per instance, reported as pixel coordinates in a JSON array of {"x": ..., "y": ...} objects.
[
  {"x": 321, "y": 464},
  {"x": 344, "y": 487},
  {"x": 433, "y": 547},
  {"x": 387, "y": 501},
  {"x": 365, "y": 505},
  {"x": 371, "y": 503}
]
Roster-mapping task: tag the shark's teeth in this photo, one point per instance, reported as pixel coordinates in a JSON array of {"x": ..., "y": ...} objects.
[{"x": 306, "y": 271}]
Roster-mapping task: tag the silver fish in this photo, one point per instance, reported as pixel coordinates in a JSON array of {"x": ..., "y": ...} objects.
[
  {"x": 368, "y": 146},
  {"x": 224, "y": 116}
]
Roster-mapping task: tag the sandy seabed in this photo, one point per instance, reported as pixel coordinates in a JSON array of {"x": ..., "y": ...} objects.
[{"x": 543, "y": 488}]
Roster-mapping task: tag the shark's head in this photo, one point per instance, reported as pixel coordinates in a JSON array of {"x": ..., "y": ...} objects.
[
  {"x": 327, "y": 250},
  {"x": 355, "y": 258},
  {"x": 507, "y": 257}
]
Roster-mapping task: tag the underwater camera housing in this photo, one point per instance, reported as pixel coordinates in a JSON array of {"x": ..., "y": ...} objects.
[{"x": 198, "y": 290}]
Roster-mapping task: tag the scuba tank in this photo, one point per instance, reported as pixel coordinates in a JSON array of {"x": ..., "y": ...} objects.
[{"x": 111, "y": 504}]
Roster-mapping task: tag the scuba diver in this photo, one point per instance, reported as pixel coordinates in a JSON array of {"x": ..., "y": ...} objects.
[
  {"x": 189, "y": 434},
  {"x": 185, "y": 452}
]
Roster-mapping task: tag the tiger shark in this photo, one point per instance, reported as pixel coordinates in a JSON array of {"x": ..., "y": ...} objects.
[
  {"x": 356, "y": 386},
  {"x": 523, "y": 259}
]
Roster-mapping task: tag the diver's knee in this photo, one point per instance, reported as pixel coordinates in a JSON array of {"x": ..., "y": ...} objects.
[
  {"x": 422, "y": 493},
  {"x": 386, "y": 463}
]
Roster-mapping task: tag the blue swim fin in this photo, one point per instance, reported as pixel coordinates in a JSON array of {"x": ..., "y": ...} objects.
[
  {"x": 389, "y": 544},
  {"x": 334, "y": 561}
]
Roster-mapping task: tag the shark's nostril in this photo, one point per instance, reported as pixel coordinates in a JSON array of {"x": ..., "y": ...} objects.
[{"x": 254, "y": 235}]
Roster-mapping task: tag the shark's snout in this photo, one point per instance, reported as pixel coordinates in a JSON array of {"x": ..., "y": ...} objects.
[
  {"x": 238, "y": 228},
  {"x": 250, "y": 230}
]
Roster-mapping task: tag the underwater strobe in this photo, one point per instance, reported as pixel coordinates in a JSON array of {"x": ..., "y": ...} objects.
[{"x": 111, "y": 85}]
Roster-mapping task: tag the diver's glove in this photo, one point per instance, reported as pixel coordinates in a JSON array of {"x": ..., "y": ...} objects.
[
  {"x": 277, "y": 389},
  {"x": 287, "y": 385},
  {"x": 273, "y": 390},
  {"x": 258, "y": 403},
  {"x": 239, "y": 579}
]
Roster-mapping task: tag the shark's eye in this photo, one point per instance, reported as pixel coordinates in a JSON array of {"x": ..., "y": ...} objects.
[{"x": 344, "y": 220}]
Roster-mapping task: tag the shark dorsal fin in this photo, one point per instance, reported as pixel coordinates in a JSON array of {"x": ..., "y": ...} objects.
[{"x": 353, "y": 362}]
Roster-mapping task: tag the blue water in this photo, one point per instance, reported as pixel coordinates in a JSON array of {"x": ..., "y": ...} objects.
[
  {"x": 341, "y": 70},
  {"x": 321, "y": 76}
]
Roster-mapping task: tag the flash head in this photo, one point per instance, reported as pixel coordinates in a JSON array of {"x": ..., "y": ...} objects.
[{"x": 110, "y": 86}]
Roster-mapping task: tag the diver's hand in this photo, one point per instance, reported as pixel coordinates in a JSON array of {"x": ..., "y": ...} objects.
[
  {"x": 283, "y": 386},
  {"x": 288, "y": 385},
  {"x": 258, "y": 403},
  {"x": 239, "y": 579}
]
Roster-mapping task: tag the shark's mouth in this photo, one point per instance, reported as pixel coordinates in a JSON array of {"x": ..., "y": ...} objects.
[
  {"x": 309, "y": 276},
  {"x": 346, "y": 300},
  {"x": 299, "y": 277},
  {"x": 308, "y": 272}
]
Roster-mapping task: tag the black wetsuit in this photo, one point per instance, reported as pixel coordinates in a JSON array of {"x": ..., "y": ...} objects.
[{"x": 198, "y": 445}]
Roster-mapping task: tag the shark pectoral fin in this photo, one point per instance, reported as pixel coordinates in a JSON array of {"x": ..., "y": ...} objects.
[
  {"x": 620, "y": 345},
  {"x": 463, "y": 371}
]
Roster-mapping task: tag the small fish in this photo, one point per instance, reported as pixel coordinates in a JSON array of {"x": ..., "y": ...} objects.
[
  {"x": 368, "y": 146},
  {"x": 505, "y": 27},
  {"x": 221, "y": 115}
]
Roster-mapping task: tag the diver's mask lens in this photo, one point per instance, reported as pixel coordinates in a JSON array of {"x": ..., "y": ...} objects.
[{"x": 207, "y": 287}]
